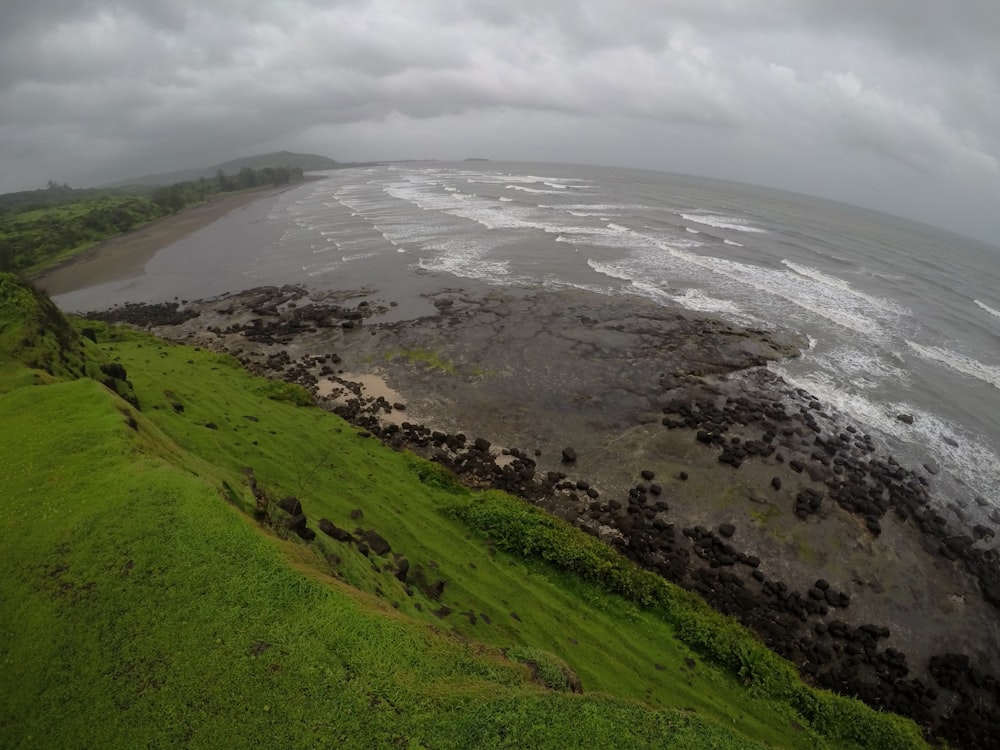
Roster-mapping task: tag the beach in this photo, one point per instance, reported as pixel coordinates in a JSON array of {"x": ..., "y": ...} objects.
[{"x": 126, "y": 256}]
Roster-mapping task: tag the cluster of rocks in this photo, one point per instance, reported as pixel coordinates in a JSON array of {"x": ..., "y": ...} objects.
[
  {"x": 146, "y": 314},
  {"x": 846, "y": 462}
]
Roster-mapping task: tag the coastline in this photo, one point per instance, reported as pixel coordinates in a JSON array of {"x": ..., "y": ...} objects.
[
  {"x": 125, "y": 256},
  {"x": 815, "y": 542}
]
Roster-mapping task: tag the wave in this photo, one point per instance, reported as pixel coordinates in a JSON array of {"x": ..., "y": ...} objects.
[
  {"x": 359, "y": 256},
  {"x": 843, "y": 286},
  {"x": 959, "y": 363},
  {"x": 505, "y": 199},
  {"x": 987, "y": 308},
  {"x": 734, "y": 244},
  {"x": 537, "y": 191},
  {"x": 606, "y": 269},
  {"x": 692, "y": 231},
  {"x": 967, "y": 456},
  {"x": 724, "y": 222},
  {"x": 696, "y": 299}
]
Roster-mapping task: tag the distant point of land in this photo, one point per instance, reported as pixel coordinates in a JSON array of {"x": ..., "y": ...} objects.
[{"x": 475, "y": 158}]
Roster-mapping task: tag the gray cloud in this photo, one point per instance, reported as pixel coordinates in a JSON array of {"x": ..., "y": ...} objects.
[{"x": 830, "y": 98}]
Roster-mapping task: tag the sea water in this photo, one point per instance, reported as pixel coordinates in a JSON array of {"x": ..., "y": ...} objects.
[{"x": 901, "y": 318}]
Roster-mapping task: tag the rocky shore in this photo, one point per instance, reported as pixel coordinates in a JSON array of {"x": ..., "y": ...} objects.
[{"x": 664, "y": 433}]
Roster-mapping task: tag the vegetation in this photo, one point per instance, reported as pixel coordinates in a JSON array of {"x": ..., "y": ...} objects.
[
  {"x": 142, "y": 603},
  {"x": 288, "y": 159},
  {"x": 42, "y": 227}
]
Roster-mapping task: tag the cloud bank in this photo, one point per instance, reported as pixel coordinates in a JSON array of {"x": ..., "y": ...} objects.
[{"x": 890, "y": 105}]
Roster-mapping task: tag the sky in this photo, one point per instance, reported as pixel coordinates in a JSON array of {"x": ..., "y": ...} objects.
[{"x": 892, "y": 105}]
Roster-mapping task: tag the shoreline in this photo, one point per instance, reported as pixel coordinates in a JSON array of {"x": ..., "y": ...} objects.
[
  {"x": 126, "y": 255},
  {"x": 785, "y": 516}
]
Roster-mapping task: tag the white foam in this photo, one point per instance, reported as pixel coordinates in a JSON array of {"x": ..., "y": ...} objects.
[
  {"x": 842, "y": 286},
  {"x": 695, "y": 299},
  {"x": 987, "y": 308},
  {"x": 618, "y": 228},
  {"x": 524, "y": 189},
  {"x": 606, "y": 269},
  {"x": 723, "y": 222},
  {"x": 505, "y": 199},
  {"x": 734, "y": 244},
  {"x": 865, "y": 369},
  {"x": 959, "y": 363},
  {"x": 692, "y": 231},
  {"x": 971, "y": 458},
  {"x": 359, "y": 256}
]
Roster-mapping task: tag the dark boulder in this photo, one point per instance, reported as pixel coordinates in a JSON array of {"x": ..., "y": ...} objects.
[
  {"x": 290, "y": 505},
  {"x": 568, "y": 455},
  {"x": 332, "y": 530},
  {"x": 376, "y": 542}
]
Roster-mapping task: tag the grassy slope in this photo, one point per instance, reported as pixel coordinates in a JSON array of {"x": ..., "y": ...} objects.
[{"x": 136, "y": 601}]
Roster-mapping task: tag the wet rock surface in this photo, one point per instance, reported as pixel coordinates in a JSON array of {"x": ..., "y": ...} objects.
[{"x": 663, "y": 433}]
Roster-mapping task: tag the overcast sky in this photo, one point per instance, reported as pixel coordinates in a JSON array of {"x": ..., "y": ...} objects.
[{"x": 889, "y": 104}]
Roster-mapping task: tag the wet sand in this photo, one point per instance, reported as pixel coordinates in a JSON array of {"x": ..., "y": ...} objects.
[{"x": 125, "y": 256}]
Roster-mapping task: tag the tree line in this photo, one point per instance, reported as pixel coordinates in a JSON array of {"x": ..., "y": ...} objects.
[{"x": 42, "y": 227}]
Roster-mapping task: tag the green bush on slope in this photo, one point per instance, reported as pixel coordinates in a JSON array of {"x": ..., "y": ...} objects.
[{"x": 528, "y": 531}]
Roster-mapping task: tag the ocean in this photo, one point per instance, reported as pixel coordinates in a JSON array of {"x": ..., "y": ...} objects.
[{"x": 902, "y": 318}]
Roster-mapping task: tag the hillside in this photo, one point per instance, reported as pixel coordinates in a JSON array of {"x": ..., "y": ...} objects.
[
  {"x": 305, "y": 162},
  {"x": 216, "y": 563}
]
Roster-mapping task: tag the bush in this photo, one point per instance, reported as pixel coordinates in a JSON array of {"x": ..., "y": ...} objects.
[{"x": 290, "y": 393}]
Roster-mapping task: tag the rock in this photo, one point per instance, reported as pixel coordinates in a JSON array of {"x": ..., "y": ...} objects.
[
  {"x": 568, "y": 455},
  {"x": 290, "y": 505},
  {"x": 905, "y": 418},
  {"x": 305, "y": 533},
  {"x": 376, "y": 542},
  {"x": 727, "y": 530},
  {"x": 332, "y": 530},
  {"x": 402, "y": 568},
  {"x": 482, "y": 444},
  {"x": 647, "y": 474},
  {"x": 776, "y": 483}
]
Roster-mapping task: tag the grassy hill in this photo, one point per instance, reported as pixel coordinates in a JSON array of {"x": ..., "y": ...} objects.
[
  {"x": 157, "y": 587},
  {"x": 306, "y": 162}
]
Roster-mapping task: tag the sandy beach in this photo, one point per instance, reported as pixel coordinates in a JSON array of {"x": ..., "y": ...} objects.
[{"x": 126, "y": 256}]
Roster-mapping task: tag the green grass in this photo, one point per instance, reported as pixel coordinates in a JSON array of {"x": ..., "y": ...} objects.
[
  {"x": 142, "y": 605},
  {"x": 427, "y": 357}
]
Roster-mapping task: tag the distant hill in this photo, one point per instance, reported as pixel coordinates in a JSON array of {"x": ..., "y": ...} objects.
[{"x": 308, "y": 163}]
